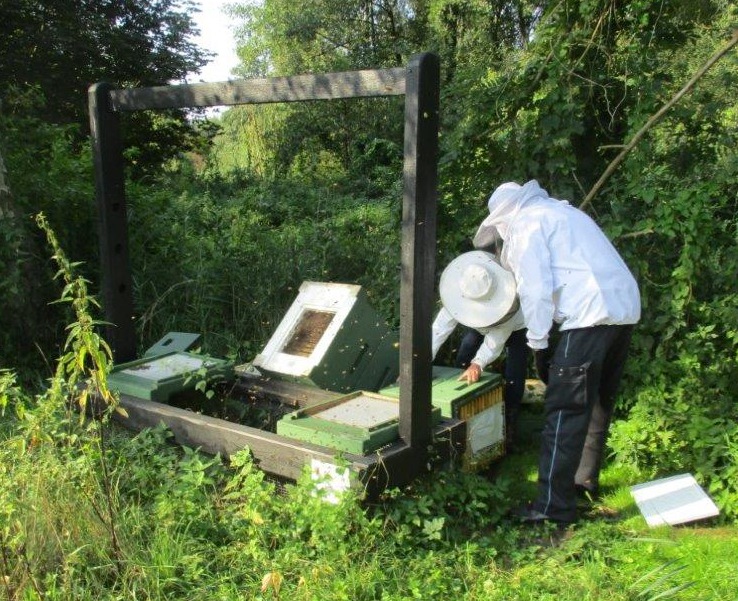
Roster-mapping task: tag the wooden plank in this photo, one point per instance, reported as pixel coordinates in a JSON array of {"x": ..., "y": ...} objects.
[
  {"x": 394, "y": 465},
  {"x": 290, "y": 393},
  {"x": 117, "y": 283},
  {"x": 328, "y": 86},
  {"x": 273, "y": 453},
  {"x": 417, "y": 286}
]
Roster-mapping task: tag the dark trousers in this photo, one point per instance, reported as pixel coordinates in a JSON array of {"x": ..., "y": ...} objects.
[
  {"x": 583, "y": 379},
  {"x": 516, "y": 365}
]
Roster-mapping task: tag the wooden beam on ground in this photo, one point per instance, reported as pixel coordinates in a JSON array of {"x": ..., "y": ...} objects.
[
  {"x": 394, "y": 465},
  {"x": 273, "y": 453}
]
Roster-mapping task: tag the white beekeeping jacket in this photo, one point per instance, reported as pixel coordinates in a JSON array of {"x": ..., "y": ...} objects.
[
  {"x": 495, "y": 336},
  {"x": 566, "y": 269}
]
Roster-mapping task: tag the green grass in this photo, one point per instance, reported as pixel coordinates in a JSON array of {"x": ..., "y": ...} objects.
[
  {"x": 611, "y": 553},
  {"x": 192, "y": 528}
]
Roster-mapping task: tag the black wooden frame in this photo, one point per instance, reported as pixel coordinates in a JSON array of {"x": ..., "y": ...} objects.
[{"x": 420, "y": 84}]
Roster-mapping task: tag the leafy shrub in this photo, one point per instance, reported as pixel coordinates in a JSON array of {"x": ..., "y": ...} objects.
[
  {"x": 667, "y": 432},
  {"x": 451, "y": 506},
  {"x": 268, "y": 238},
  {"x": 47, "y": 171}
]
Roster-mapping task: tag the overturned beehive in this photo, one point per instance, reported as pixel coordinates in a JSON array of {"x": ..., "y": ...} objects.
[{"x": 332, "y": 338}]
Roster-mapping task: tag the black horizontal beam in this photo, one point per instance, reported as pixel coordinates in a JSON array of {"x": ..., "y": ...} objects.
[{"x": 328, "y": 86}]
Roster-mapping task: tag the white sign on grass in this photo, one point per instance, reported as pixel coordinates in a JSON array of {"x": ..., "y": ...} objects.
[{"x": 673, "y": 500}]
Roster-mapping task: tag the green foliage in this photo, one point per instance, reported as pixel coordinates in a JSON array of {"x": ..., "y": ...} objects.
[
  {"x": 46, "y": 172},
  {"x": 10, "y": 394},
  {"x": 247, "y": 141},
  {"x": 11, "y": 265},
  {"x": 681, "y": 190},
  {"x": 36, "y": 540},
  {"x": 193, "y": 526},
  {"x": 65, "y": 45},
  {"x": 55, "y": 49},
  {"x": 648, "y": 585},
  {"x": 147, "y": 460},
  {"x": 269, "y": 238},
  {"x": 277, "y": 37},
  {"x": 282, "y": 38},
  {"x": 667, "y": 432},
  {"x": 453, "y": 506}
]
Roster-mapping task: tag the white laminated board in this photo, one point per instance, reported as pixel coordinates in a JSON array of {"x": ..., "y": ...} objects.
[
  {"x": 674, "y": 500},
  {"x": 485, "y": 429},
  {"x": 168, "y": 366}
]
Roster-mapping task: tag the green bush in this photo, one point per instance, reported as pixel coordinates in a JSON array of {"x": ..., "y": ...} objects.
[
  {"x": 47, "y": 170},
  {"x": 226, "y": 259}
]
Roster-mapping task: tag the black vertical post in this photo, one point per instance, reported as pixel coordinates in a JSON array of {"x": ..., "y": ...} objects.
[
  {"x": 417, "y": 286},
  {"x": 113, "y": 227}
]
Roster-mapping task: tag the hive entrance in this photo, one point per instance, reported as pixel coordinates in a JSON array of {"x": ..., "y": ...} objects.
[{"x": 308, "y": 332}]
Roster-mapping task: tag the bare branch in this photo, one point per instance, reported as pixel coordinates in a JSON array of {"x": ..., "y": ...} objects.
[
  {"x": 657, "y": 116},
  {"x": 638, "y": 234}
]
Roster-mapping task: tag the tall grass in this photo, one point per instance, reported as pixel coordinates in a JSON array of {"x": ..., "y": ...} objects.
[{"x": 196, "y": 527}]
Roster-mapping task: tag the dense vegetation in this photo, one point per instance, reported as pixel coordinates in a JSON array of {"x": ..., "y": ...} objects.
[{"x": 229, "y": 216}]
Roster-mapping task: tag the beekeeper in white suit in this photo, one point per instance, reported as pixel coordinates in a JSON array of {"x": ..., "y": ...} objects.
[
  {"x": 478, "y": 293},
  {"x": 567, "y": 272}
]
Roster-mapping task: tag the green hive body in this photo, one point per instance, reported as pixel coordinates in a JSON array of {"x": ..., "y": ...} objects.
[
  {"x": 448, "y": 393},
  {"x": 158, "y": 378},
  {"x": 480, "y": 405},
  {"x": 358, "y": 423},
  {"x": 332, "y": 338}
]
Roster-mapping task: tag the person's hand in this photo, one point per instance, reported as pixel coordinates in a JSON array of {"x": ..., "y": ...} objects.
[
  {"x": 472, "y": 374},
  {"x": 542, "y": 359}
]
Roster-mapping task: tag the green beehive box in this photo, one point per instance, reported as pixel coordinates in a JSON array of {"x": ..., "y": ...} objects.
[
  {"x": 480, "y": 405},
  {"x": 158, "y": 378},
  {"x": 452, "y": 396},
  {"x": 332, "y": 338},
  {"x": 359, "y": 423}
]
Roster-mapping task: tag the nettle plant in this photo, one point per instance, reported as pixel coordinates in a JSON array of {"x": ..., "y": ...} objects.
[
  {"x": 78, "y": 389},
  {"x": 451, "y": 506}
]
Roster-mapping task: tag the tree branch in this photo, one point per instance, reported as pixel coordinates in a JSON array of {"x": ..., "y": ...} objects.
[
  {"x": 656, "y": 117},
  {"x": 637, "y": 234}
]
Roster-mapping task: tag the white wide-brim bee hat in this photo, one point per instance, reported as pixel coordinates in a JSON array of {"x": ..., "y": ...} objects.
[{"x": 477, "y": 290}]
